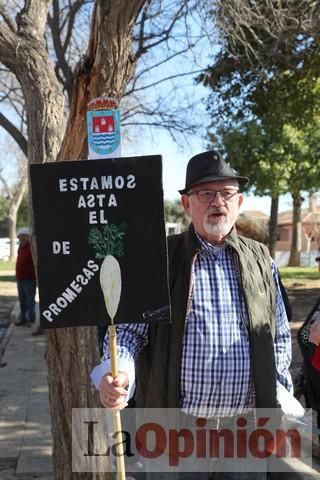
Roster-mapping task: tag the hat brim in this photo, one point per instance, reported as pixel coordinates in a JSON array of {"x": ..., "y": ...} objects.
[
  {"x": 23, "y": 231},
  {"x": 243, "y": 181}
]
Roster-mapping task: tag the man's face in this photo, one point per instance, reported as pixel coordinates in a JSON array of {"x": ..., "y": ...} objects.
[
  {"x": 214, "y": 219},
  {"x": 23, "y": 238}
]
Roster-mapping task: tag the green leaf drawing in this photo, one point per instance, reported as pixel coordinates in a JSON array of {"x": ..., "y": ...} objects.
[{"x": 107, "y": 240}]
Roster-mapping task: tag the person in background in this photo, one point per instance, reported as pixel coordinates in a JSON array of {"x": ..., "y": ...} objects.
[
  {"x": 314, "y": 336},
  {"x": 26, "y": 279},
  {"x": 308, "y": 379}
]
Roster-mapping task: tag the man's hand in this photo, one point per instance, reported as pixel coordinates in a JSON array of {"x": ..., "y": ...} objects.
[
  {"x": 112, "y": 391},
  {"x": 314, "y": 336}
]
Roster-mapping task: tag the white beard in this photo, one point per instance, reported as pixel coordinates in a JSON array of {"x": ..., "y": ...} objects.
[
  {"x": 217, "y": 229},
  {"x": 221, "y": 227}
]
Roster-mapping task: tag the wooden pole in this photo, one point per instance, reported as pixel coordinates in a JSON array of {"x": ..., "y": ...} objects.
[
  {"x": 95, "y": 105},
  {"x": 121, "y": 470}
]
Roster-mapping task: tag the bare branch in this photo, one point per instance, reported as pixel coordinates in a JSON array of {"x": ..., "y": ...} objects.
[
  {"x": 163, "y": 36},
  {"x": 150, "y": 68},
  {"x": 165, "y": 79},
  {"x": 140, "y": 41},
  {"x": 61, "y": 42},
  {"x": 5, "y": 184},
  {"x": 62, "y": 69},
  {"x": 15, "y": 133},
  {"x": 6, "y": 17},
  {"x": 162, "y": 114},
  {"x": 246, "y": 25}
]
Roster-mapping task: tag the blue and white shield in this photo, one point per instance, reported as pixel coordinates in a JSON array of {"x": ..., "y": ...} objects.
[{"x": 103, "y": 131}]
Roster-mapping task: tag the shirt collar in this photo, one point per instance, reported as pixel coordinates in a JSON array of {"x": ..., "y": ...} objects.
[{"x": 207, "y": 249}]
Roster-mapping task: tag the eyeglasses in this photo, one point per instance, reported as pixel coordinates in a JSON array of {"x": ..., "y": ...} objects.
[{"x": 207, "y": 196}]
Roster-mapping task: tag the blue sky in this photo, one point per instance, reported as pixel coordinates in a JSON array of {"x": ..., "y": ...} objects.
[{"x": 175, "y": 159}]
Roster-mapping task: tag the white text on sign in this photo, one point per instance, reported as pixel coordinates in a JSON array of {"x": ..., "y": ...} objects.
[{"x": 61, "y": 247}]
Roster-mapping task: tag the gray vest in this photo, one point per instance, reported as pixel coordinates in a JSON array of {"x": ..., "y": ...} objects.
[{"x": 158, "y": 367}]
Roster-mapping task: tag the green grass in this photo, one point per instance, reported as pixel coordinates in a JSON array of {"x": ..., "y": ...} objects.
[
  {"x": 300, "y": 273},
  {"x": 287, "y": 273},
  {"x": 6, "y": 271},
  {"x": 6, "y": 265},
  {"x": 7, "y": 278}
]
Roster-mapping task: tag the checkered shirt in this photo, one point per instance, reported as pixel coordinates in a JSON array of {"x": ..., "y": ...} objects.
[{"x": 216, "y": 376}]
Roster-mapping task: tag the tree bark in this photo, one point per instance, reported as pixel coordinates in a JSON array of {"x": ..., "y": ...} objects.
[
  {"x": 273, "y": 225},
  {"x": 24, "y": 53},
  {"x": 105, "y": 70},
  {"x": 15, "y": 133},
  {"x": 294, "y": 259}
]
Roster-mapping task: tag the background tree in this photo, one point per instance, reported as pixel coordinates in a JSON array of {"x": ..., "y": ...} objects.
[
  {"x": 174, "y": 213},
  {"x": 250, "y": 150},
  {"x": 164, "y": 33},
  {"x": 3, "y": 215},
  {"x": 311, "y": 230},
  {"x": 283, "y": 163},
  {"x": 22, "y": 215},
  {"x": 254, "y": 30},
  {"x": 23, "y": 211},
  {"x": 107, "y": 68},
  {"x": 13, "y": 193},
  {"x": 265, "y": 79}
]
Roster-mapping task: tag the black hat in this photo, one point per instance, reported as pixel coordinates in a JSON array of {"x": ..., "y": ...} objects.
[{"x": 209, "y": 167}]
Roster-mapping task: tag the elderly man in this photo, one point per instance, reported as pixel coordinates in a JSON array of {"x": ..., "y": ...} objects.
[{"x": 228, "y": 345}]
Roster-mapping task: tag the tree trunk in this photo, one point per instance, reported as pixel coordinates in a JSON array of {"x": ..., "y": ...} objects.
[
  {"x": 12, "y": 226},
  {"x": 15, "y": 203},
  {"x": 294, "y": 259},
  {"x": 105, "y": 70},
  {"x": 273, "y": 225}
]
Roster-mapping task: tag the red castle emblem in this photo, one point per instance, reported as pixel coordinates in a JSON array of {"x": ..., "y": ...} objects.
[{"x": 103, "y": 120}]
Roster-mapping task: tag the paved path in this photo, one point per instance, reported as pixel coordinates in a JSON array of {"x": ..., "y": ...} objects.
[
  {"x": 25, "y": 436},
  {"x": 24, "y": 419},
  {"x": 25, "y": 430}
]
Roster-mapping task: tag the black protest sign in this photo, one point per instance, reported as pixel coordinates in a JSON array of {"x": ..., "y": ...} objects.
[{"x": 101, "y": 241}]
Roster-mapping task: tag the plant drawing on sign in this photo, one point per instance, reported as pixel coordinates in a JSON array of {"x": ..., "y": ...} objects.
[{"x": 107, "y": 243}]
